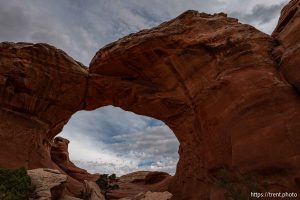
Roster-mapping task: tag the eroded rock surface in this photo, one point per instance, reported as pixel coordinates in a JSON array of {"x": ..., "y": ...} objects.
[
  {"x": 151, "y": 196},
  {"x": 49, "y": 184},
  {"x": 288, "y": 38},
  {"x": 40, "y": 88},
  {"x": 157, "y": 195},
  {"x": 228, "y": 91},
  {"x": 215, "y": 83},
  {"x": 140, "y": 182},
  {"x": 92, "y": 191}
]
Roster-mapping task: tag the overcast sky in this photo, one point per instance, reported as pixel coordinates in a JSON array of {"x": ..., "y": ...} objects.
[{"x": 110, "y": 139}]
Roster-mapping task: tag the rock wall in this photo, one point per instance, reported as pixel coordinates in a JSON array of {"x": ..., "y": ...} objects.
[
  {"x": 139, "y": 182},
  {"x": 215, "y": 83},
  {"x": 40, "y": 88},
  {"x": 288, "y": 39},
  {"x": 229, "y": 92},
  {"x": 48, "y": 183}
]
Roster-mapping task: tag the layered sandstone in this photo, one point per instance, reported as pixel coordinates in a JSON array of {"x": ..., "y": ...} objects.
[
  {"x": 214, "y": 82},
  {"x": 151, "y": 196},
  {"x": 40, "y": 88},
  {"x": 92, "y": 191},
  {"x": 229, "y": 92},
  {"x": 132, "y": 184},
  {"x": 48, "y": 183},
  {"x": 288, "y": 38}
]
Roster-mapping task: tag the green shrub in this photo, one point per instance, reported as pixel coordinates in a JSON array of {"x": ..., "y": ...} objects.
[
  {"x": 15, "y": 184},
  {"x": 107, "y": 183}
]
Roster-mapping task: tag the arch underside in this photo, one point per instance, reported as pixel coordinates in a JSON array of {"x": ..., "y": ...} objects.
[{"x": 212, "y": 80}]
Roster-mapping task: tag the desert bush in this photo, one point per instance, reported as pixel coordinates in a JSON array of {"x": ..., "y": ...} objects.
[
  {"x": 107, "y": 183},
  {"x": 15, "y": 184}
]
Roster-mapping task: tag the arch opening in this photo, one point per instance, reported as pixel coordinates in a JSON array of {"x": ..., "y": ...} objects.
[{"x": 111, "y": 140}]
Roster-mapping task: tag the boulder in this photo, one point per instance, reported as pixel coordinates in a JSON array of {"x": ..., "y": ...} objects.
[
  {"x": 92, "y": 191},
  {"x": 49, "y": 184}
]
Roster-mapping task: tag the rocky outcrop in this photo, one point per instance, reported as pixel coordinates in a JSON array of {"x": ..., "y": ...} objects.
[
  {"x": 229, "y": 92},
  {"x": 151, "y": 196},
  {"x": 214, "y": 82},
  {"x": 156, "y": 177},
  {"x": 288, "y": 40},
  {"x": 67, "y": 197},
  {"x": 38, "y": 83},
  {"x": 40, "y": 88},
  {"x": 157, "y": 195},
  {"x": 140, "y": 182},
  {"x": 92, "y": 191},
  {"x": 60, "y": 155},
  {"x": 49, "y": 184}
]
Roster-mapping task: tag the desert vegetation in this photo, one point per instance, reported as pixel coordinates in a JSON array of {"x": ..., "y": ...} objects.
[
  {"x": 107, "y": 183},
  {"x": 15, "y": 184}
]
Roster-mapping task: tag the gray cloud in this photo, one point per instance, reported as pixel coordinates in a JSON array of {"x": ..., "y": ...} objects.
[
  {"x": 155, "y": 142},
  {"x": 13, "y": 21},
  {"x": 81, "y": 28},
  {"x": 260, "y": 14},
  {"x": 112, "y": 140}
]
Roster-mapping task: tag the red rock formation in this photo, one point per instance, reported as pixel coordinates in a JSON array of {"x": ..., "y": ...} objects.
[
  {"x": 40, "y": 88},
  {"x": 48, "y": 183},
  {"x": 156, "y": 177},
  {"x": 288, "y": 38},
  {"x": 60, "y": 155},
  {"x": 213, "y": 81},
  {"x": 140, "y": 182}
]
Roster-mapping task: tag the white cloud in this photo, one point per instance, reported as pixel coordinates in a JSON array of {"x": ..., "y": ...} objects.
[
  {"x": 81, "y": 28},
  {"x": 110, "y": 140}
]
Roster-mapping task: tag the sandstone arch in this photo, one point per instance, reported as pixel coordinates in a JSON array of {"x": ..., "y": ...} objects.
[{"x": 212, "y": 80}]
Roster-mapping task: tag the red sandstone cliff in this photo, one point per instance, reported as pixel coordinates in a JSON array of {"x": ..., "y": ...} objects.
[{"x": 229, "y": 92}]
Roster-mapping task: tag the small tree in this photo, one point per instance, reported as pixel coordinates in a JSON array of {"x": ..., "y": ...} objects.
[{"x": 107, "y": 183}]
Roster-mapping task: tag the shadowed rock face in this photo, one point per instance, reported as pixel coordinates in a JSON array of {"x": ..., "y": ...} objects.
[
  {"x": 226, "y": 90},
  {"x": 288, "y": 38},
  {"x": 40, "y": 88}
]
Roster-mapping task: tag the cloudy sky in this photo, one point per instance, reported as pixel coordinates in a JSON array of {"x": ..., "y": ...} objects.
[{"x": 110, "y": 139}]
